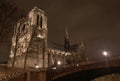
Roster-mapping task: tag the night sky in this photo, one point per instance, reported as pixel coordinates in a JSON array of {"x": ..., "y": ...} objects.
[{"x": 96, "y": 22}]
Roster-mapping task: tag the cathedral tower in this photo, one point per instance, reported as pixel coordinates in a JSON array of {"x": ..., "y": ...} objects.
[
  {"x": 30, "y": 41},
  {"x": 38, "y": 43}
]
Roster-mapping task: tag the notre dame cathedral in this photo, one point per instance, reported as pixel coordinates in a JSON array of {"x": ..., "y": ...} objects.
[{"x": 30, "y": 47}]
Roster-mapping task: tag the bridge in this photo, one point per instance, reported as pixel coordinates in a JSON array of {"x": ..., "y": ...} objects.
[{"x": 85, "y": 71}]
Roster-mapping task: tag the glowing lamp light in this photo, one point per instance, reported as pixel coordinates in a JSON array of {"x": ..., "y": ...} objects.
[
  {"x": 54, "y": 68},
  {"x": 77, "y": 65},
  {"x": 105, "y": 53},
  {"x": 36, "y": 66},
  {"x": 59, "y": 63}
]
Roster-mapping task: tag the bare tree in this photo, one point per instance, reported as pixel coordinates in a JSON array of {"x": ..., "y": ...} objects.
[
  {"x": 9, "y": 14},
  {"x": 16, "y": 36}
]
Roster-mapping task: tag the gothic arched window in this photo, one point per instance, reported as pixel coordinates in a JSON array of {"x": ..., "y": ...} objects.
[
  {"x": 41, "y": 20},
  {"x": 38, "y": 17},
  {"x": 23, "y": 28}
]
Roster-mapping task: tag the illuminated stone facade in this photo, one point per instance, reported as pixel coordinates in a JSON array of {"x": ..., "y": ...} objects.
[{"x": 31, "y": 49}]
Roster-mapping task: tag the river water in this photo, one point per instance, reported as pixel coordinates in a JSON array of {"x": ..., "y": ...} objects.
[{"x": 111, "y": 77}]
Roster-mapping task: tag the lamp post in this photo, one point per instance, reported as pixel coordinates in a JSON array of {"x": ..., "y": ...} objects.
[{"x": 105, "y": 53}]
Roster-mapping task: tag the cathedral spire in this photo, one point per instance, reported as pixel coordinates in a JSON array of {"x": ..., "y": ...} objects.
[
  {"x": 66, "y": 40},
  {"x": 66, "y": 33},
  {"x": 82, "y": 46}
]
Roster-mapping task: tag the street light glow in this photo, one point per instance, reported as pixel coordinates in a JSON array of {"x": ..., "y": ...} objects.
[
  {"x": 77, "y": 65},
  {"x": 105, "y": 53},
  {"x": 59, "y": 63},
  {"x": 54, "y": 68},
  {"x": 36, "y": 66}
]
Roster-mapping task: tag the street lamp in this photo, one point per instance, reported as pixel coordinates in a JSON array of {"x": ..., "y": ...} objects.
[
  {"x": 54, "y": 68},
  {"x": 36, "y": 66},
  {"x": 59, "y": 63},
  {"x": 105, "y": 53}
]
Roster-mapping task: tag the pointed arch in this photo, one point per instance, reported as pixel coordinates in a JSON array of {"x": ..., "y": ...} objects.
[
  {"x": 38, "y": 19},
  {"x": 23, "y": 28},
  {"x": 41, "y": 21}
]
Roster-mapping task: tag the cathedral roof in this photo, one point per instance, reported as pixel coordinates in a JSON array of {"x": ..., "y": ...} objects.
[
  {"x": 36, "y": 9},
  {"x": 55, "y": 46}
]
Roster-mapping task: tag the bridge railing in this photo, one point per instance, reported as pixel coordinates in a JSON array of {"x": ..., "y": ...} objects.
[{"x": 63, "y": 70}]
